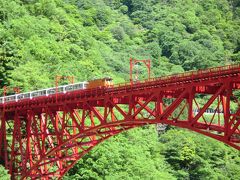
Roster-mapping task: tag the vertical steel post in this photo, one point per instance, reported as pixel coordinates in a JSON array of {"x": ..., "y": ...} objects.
[
  {"x": 131, "y": 69},
  {"x": 149, "y": 69},
  {"x": 226, "y": 109},
  {"x": 191, "y": 96}
]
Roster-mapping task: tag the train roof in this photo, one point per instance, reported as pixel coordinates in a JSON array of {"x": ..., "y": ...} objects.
[{"x": 104, "y": 78}]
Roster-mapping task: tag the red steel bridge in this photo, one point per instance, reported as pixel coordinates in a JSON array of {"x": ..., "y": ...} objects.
[{"x": 45, "y": 136}]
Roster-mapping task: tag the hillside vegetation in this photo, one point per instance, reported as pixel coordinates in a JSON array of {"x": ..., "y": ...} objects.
[{"x": 40, "y": 39}]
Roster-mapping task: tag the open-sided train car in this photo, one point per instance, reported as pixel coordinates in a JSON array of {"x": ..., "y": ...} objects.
[{"x": 104, "y": 82}]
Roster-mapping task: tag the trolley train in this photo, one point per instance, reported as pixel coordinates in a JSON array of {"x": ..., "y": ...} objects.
[{"x": 96, "y": 83}]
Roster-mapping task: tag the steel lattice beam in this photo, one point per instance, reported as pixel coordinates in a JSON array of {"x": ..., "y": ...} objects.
[{"x": 49, "y": 135}]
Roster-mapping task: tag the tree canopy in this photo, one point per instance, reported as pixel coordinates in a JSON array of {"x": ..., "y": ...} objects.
[{"x": 94, "y": 38}]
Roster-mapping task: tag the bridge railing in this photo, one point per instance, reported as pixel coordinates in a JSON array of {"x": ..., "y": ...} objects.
[
  {"x": 170, "y": 78},
  {"x": 186, "y": 75}
]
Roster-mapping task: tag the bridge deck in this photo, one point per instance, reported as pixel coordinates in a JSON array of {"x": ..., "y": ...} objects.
[{"x": 203, "y": 78}]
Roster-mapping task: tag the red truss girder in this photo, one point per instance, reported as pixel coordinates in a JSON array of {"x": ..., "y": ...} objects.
[{"x": 45, "y": 137}]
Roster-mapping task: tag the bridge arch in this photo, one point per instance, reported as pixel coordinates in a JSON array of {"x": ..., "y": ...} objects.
[
  {"x": 49, "y": 134},
  {"x": 65, "y": 163}
]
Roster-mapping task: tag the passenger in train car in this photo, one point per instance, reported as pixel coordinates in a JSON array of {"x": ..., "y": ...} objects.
[
  {"x": 69, "y": 88},
  {"x": 10, "y": 98},
  {"x": 38, "y": 93},
  {"x": 51, "y": 91},
  {"x": 23, "y": 96},
  {"x": 104, "y": 82},
  {"x": 77, "y": 86}
]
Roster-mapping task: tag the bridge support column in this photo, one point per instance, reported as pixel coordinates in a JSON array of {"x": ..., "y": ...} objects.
[
  {"x": 191, "y": 96},
  {"x": 3, "y": 142}
]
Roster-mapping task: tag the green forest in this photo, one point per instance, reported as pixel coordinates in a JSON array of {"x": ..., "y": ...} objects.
[{"x": 40, "y": 39}]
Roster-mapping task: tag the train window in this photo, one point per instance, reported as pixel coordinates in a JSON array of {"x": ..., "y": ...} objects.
[
  {"x": 69, "y": 88},
  {"x": 20, "y": 96},
  {"x": 27, "y": 95},
  {"x": 51, "y": 91},
  {"x": 34, "y": 94},
  {"x": 60, "y": 89},
  {"x": 78, "y": 86},
  {"x": 10, "y": 98}
]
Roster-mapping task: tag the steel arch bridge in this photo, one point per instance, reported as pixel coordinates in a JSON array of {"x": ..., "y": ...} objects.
[{"x": 44, "y": 137}]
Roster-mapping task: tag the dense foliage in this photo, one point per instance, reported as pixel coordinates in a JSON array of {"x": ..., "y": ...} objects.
[
  {"x": 178, "y": 154},
  {"x": 3, "y": 173},
  {"x": 94, "y": 38}
]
